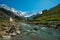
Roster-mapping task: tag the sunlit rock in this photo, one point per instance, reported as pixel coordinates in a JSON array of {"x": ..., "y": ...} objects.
[
  {"x": 28, "y": 31},
  {"x": 6, "y": 37},
  {"x": 43, "y": 28},
  {"x": 33, "y": 34},
  {"x": 11, "y": 20},
  {"x": 18, "y": 31},
  {"x": 14, "y": 33}
]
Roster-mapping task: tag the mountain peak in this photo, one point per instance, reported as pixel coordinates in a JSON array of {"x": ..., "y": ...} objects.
[{"x": 20, "y": 13}]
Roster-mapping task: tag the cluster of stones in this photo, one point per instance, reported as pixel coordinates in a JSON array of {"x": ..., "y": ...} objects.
[{"x": 7, "y": 30}]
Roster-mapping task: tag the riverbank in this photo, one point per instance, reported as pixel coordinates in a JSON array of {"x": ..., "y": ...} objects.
[
  {"x": 49, "y": 24},
  {"x": 8, "y": 29}
]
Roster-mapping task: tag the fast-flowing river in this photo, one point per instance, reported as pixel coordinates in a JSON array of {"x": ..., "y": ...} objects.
[{"x": 35, "y": 32}]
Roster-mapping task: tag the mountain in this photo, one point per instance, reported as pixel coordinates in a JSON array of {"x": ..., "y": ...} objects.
[
  {"x": 21, "y": 14},
  {"x": 53, "y": 14}
]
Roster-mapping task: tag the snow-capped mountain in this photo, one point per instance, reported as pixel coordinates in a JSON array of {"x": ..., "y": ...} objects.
[{"x": 20, "y": 13}]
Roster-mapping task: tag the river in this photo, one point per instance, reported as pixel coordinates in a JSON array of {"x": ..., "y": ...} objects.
[{"x": 35, "y": 32}]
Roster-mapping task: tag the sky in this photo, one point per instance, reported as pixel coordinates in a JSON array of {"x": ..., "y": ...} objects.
[{"x": 30, "y": 5}]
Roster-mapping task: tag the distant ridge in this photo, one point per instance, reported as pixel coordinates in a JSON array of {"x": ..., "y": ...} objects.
[
  {"x": 52, "y": 14},
  {"x": 21, "y": 14}
]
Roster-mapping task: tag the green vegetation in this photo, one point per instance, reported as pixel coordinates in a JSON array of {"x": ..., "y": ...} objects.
[
  {"x": 3, "y": 20},
  {"x": 52, "y": 14}
]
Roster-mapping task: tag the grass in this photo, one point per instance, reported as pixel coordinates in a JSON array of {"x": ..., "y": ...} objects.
[
  {"x": 3, "y": 20},
  {"x": 52, "y": 14}
]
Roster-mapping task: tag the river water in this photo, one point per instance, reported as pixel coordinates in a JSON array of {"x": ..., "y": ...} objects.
[{"x": 35, "y": 32}]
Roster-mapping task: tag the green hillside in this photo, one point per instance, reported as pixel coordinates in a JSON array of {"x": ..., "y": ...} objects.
[{"x": 52, "y": 14}]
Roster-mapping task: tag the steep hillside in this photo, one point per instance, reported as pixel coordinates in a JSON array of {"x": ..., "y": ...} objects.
[{"x": 52, "y": 14}]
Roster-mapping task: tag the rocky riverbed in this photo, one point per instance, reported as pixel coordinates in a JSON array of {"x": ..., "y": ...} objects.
[
  {"x": 35, "y": 32},
  {"x": 32, "y": 32}
]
